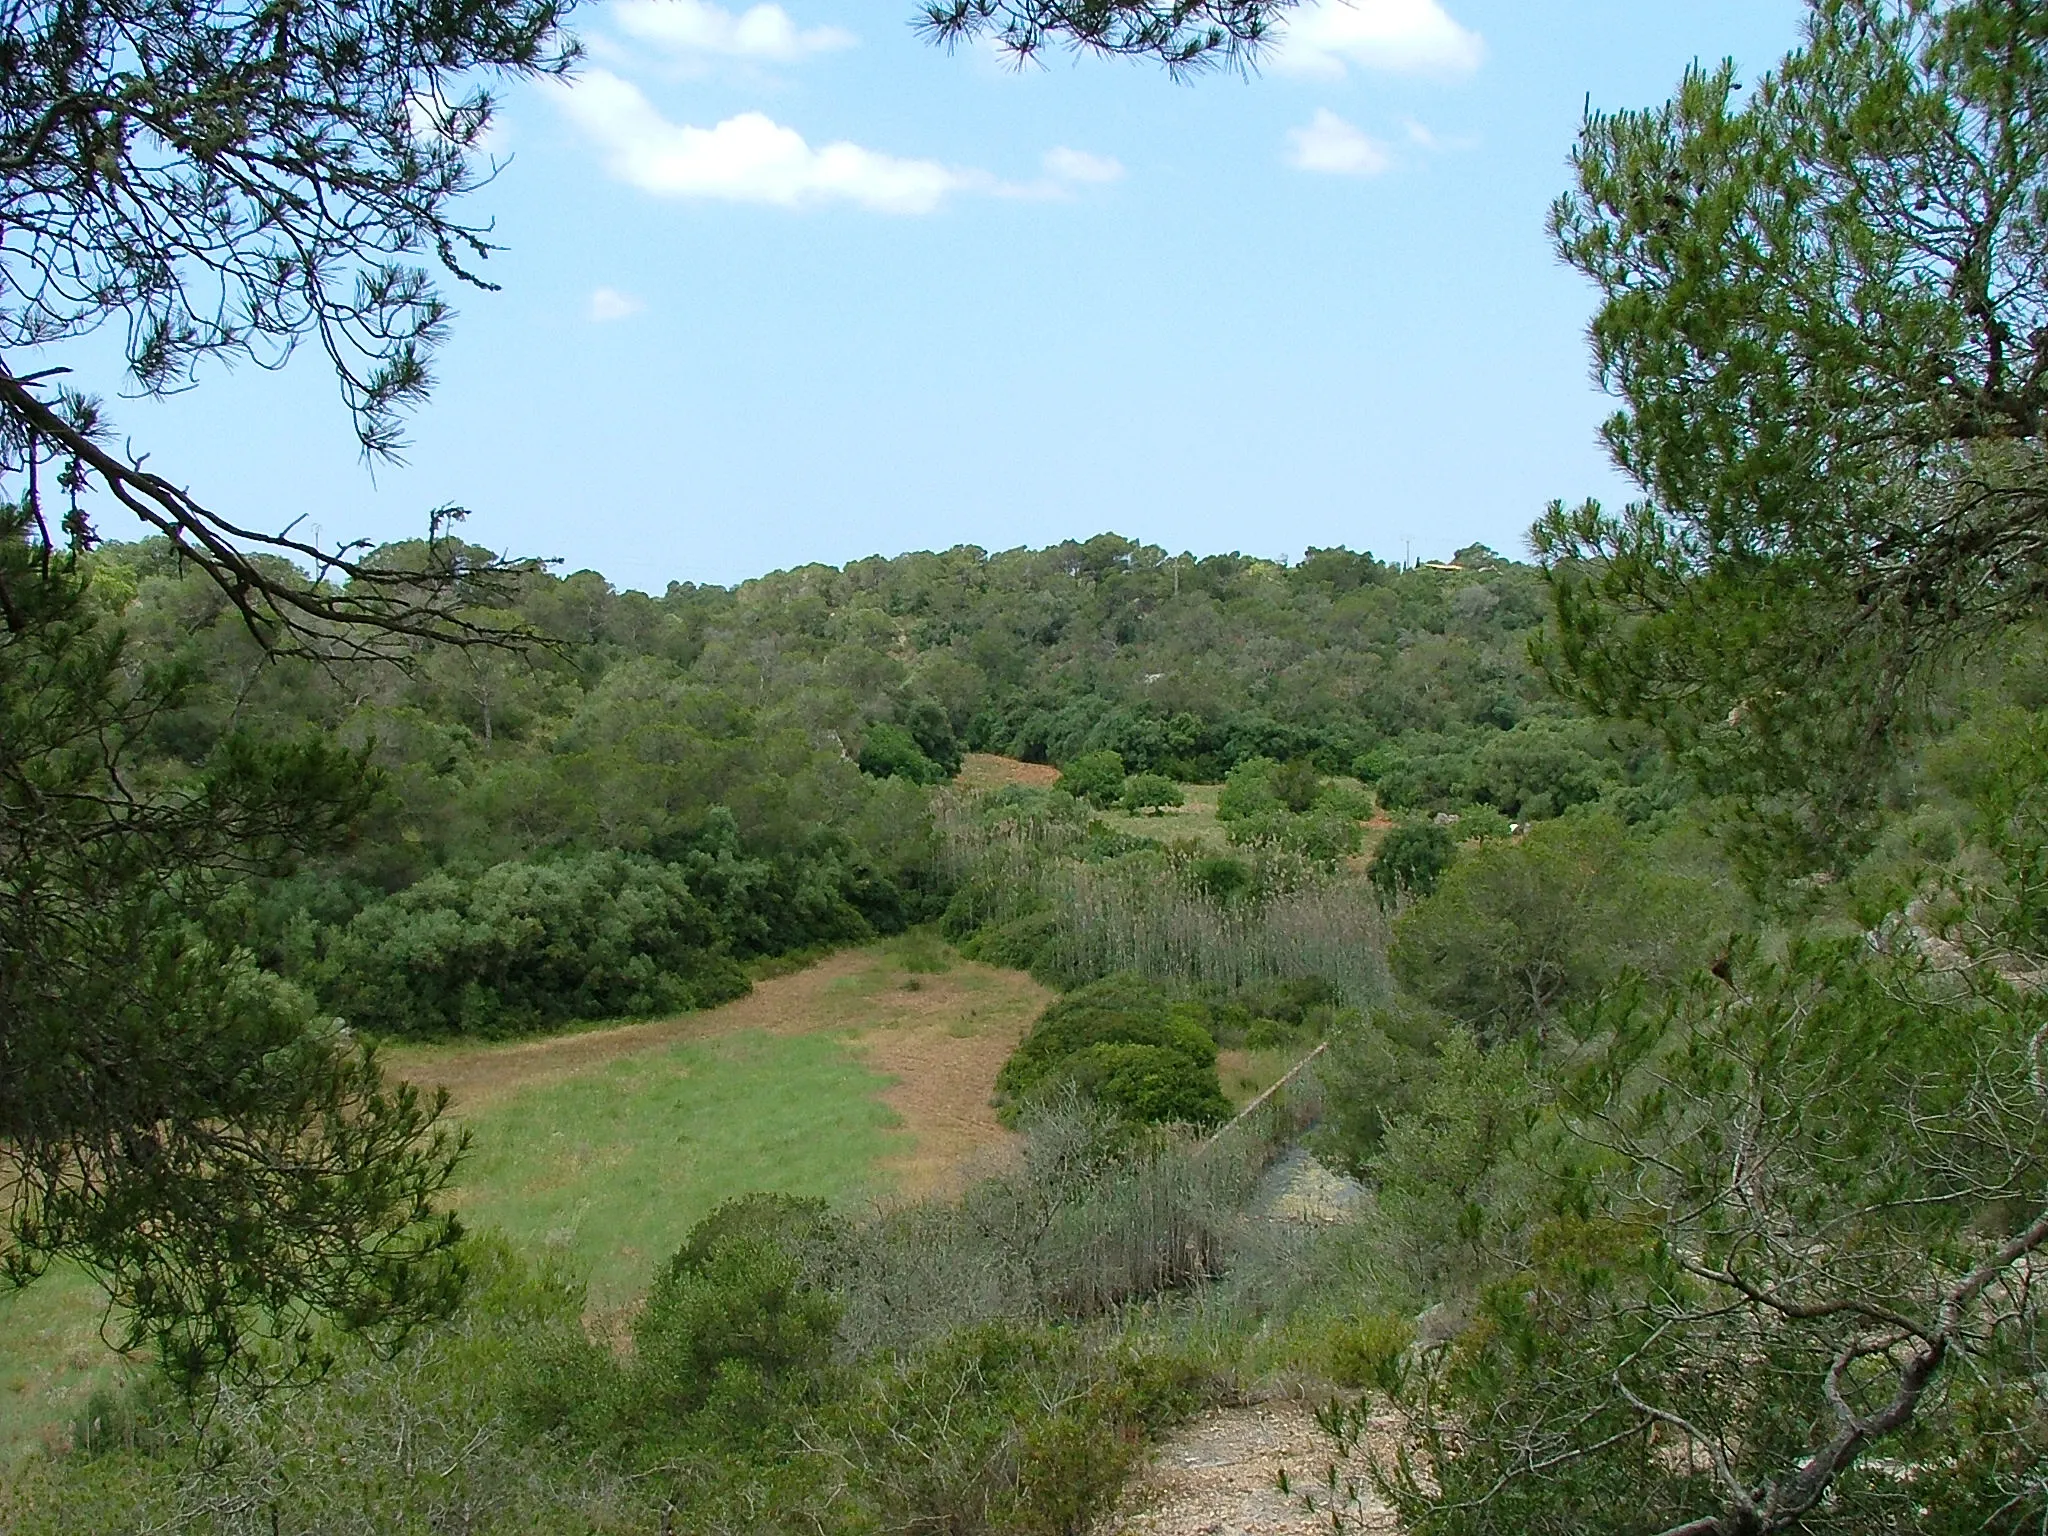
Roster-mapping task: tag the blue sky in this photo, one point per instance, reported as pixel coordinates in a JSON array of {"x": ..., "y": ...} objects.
[{"x": 786, "y": 284}]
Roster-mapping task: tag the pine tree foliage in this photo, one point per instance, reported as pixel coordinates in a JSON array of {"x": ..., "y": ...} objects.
[
  {"x": 1823, "y": 310},
  {"x": 172, "y": 1117}
]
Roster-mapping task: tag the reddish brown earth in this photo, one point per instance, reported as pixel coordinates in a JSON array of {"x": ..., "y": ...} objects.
[{"x": 985, "y": 770}]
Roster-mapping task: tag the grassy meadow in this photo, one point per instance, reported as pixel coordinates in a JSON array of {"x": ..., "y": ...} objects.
[
  {"x": 1195, "y": 820},
  {"x": 613, "y": 1165},
  {"x": 864, "y": 1074},
  {"x": 51, "y": 1356}
]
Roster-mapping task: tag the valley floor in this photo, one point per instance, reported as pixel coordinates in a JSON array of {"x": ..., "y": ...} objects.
[{"x": 865, "y": 1075}]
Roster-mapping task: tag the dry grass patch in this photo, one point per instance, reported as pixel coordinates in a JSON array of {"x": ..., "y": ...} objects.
[
  {"x": 987, "y": 770},
  {"x": 1195, "y": 820}
]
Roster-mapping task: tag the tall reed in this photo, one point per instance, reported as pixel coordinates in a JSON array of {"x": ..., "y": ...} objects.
[
  {"x": 1085, "y": 1222},
  {"x": 1150, "y": 910}
]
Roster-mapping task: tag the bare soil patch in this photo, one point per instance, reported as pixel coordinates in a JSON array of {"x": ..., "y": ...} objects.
[
  {"x": 986, "y": 770},
  {"x": 944, "y": 1082}
]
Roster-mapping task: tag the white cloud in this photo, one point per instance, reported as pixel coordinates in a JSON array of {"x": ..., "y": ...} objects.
[
  {"x": 1331, "y": 145},
  {"x": 608, "y": 304},
  {"x": 1324, "y": 37},
  {"x": 748, "y": 158},
  {"x": 1077, "y": 165},
  {"x": 762, "y": 32}
]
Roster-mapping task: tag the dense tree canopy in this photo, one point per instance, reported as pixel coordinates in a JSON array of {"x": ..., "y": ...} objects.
[
  {"x": 1757, "y": 1253},
  {"x": 1822, "y": 308},
  {"x": 172, "y": 1116}
]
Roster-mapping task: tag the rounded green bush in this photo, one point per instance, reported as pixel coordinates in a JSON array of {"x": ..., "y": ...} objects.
[
  {"x": 1151, "y": 792},
  {"x": 739, "y": 1314},
  {"x": 1150, "y": 1083},
  {"x": 1129, "y": 1043},
  {"x": 1097, "y": 777}
]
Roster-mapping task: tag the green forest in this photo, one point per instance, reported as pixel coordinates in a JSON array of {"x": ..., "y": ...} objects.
[
  {"x": 617, "y": 818},
  {"x": 446, "y": 1002}
]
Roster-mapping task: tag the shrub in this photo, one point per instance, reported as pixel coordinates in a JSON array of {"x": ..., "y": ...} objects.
[
  {"x": 437, "y": 1438},
  {"x": 1481, "y": 824},
  {"x": 1295, "y": 784},
  {"x": 997, "y": 1428},
  {"x": 1375, "y": 1071},
  {"x": 1151, "y": 1083},
  {"x": 931, "y": 730},
  {"x": 1348, "y": 800},
  {"x": 1097, "y": 777},
  {"x": 1411, "y": 859},
  {"x": 1023, "y": 943},
  {"x": 891, "y": 752},
  {"x": 1248, "y": 791},
  {"x": 1220, "y": 877},
  {"x": 1516, "y": 931},
  {"x": 1539, "y": 769},
  {"x": 1151, "y": 792},
  {"x": 1119, "y": 1011},
  {"x": 1290, "y": 1000},
  {"x": 1318, "y": 836},
  {"x": 922, "y": 953},
  {"x": 1366, "y": 1351},
  {"x": 1426, "y": 775},
  {"x": 738, "y": 1318},
  {"x": 524, "y": 946}
]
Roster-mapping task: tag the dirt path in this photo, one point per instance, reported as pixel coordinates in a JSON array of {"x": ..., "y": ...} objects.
[
  {"x": 942, "y": 1036},
  {"x": 1219, "y": 1477}
]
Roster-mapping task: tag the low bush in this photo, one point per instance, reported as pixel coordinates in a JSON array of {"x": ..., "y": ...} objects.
[
  {"x": 740, "y": 1320},
  {"x": 1097, "y": 777},
  {"x": 999, "y": 1428},
  {"x": 1318, "y": 835},
  {"x": 1411, "y": 859},
  {"x": 1517, "y": 931},
  {"x": 1273, "y": 1011},
  {"x": 437, "y": 1438},
  {"x": 1151, "y": 792},
  {"x": 1248, "y": 791},
  {"x": 1131, "y": 1043},
  {"x": 1343, "y": 799},
  {"x": 891, "y": 752},
  {"x": 1151, "y": 1083},
  {"x": 1375, "y": 1071},
  {"x": 1022, "y": 944}
]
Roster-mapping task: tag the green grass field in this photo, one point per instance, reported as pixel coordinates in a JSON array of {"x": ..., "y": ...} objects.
[
  {"x": 51, "y": 1356},
  {"x": 613, "y": 1166},
  {"x": 611, "y": 1156},
  {"x": 1196, "y": 819}
]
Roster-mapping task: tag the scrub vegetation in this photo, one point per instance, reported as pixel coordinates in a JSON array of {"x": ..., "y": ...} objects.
[{"x": 505, "y": 1055}]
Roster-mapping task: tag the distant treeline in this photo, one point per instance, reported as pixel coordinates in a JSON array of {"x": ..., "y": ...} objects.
[{"x": 615, "y": 819}]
